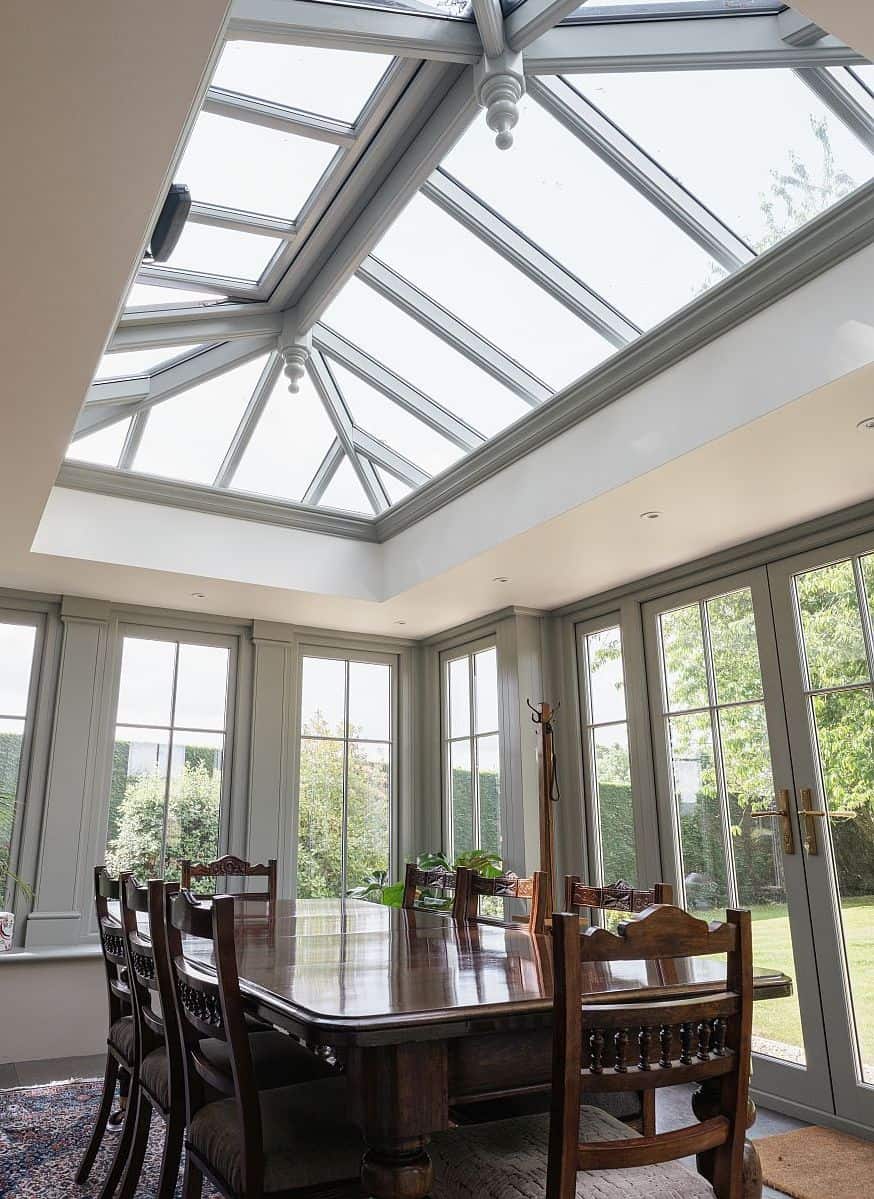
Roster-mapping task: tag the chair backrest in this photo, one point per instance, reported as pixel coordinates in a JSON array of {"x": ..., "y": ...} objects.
[
  {"x": 106, "y": 891},
  {"x": 471, "y": 885},
  {"x": 209, "y": 1005},
  {"x": 418, "y": 879},
  {"x": 616, "y": 897},
  {"x": 231, "y": 866},
  {"x": 658, "y": 1043}
]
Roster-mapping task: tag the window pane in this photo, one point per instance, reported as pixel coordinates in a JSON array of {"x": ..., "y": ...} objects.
[
  {"x": 195, "y": 799},
  {"x": 615, "y": 804},
  {"x": 459, "y": 697},
  {"x": 320, "y": 819},
  {"x": 420, "y": 357},
  {"x": 289, "y": 443},
  {"x": 345, "y": 493},
  {"x": 683, "y": 654},
  {"x": 137, "y": 796},
  {"x": 11, "y": 741},
  {"x": 126, "y": 363},
  {"x": 461, "y": 796},
  {"x": 383, "y": 418},
  {"x": 474, "y": 283},
  {"x": 150, "y": 295},
  {"x": 757, "y": 146},
  {"x": 489, "y": 783},
  {"x": 370, "y": 701},
  {"x": 734, "y": 647},
  {"x": 369, "y": 811},
  {"x": 834, "y": 644},
  {"x": 146, "y": 688},
  {"x": 562, "y": 196},
  {"x": 485, "y": 670},
  {"x": 103, "y": 448},
  {"x": 202, "y": 687},
  {"x": 606, "y": 680},
  {"x": 241, "y": 165},
  {"x": 188, "y": 436},
  {"x": 334, "y": 83},
  {"x": 212, "y": 250},
  {"x": 323, "y": 702},
  {"x": 394, "y": 488},
  {"x": 693, "y": 778},
  {"x": 16, "y": 660}
]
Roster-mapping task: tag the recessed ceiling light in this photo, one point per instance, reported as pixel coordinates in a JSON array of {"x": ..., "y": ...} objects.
[
  {"x": 653, "y": 514},
  {"x": 866, "y": 424},
  {"x": 500, "y": 579},
  {"x": 198, "y": 595}
]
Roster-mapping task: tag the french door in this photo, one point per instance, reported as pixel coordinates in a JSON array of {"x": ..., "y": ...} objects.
[{"x": 763, "y": 726}]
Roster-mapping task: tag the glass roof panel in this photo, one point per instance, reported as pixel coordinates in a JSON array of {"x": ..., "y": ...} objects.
[
  {"x": 102, "y": 448},
  {"x": 245, "y": 166},
  {"x": 333, "y": 83},
  {"x": 125, "y": 363},
  {"x": 187, "y": 436},
  {"x": 562, "y": 196},
  {"x": 681, "y": 8},
  {"x": 145, "y": 295},
  {"x": 288, "y": 444},
  {"x": 454, "y": 267},
  {"x": 384, "y": 419},
  {"x": 211, "y": 250},
  {"x": 855, "y": 84},
  {"x": 757, "y": 146},
  {"x": 345, "y": 493},
  {"x": 394, "y": 488},
  {"x": 420, "y": 357},
  {"x": 865, "y": 72}
]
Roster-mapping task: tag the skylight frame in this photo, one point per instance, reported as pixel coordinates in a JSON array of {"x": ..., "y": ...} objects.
[{"x": 251, "y": 317}]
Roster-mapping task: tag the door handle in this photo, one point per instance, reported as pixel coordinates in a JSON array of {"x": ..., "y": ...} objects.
[
  {"x": 810, "y": 814},
  {"x": 783, "y": 811}
]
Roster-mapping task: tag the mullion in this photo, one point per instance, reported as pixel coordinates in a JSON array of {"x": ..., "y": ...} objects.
[
  {"x": 719, "y": 761},
  {"x": 474, "y": 752},
  {"x": 170, "y": 741},
  {"x": 4, "y": 716},
  {"x": 593, "y": 771},
  {"x": 865, "y": 614},
  {"x": 345, "y": 798}
]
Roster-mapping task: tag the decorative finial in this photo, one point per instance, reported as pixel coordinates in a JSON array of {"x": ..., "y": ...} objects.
[
  {"x": 500, "y": 84},
  {"x": 295, "y": 348}
]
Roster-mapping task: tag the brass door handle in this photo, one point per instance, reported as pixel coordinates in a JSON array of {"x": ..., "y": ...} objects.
[
  {"x": 808, "y": 814},
  {"x": 784, "y": 812}
]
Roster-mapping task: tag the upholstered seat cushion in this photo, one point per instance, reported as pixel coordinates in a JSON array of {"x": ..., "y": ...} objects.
[
  {"x": 276, "y": 1059},
  {"x": 507, "y": 1160},
  {"x": 308, "y": 1139},
  {"x": 121, "y": 1037}
]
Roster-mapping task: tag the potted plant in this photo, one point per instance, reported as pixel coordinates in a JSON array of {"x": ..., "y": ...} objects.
[
  {"x": 7, "y": 919},
  {"x": 377, "y": 889}
]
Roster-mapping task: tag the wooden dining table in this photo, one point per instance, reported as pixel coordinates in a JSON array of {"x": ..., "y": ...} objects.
[{"x": 426, "y": 1012}]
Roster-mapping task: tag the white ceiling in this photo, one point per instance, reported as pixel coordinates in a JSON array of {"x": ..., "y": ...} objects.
[{"x": 110, "y": 168}]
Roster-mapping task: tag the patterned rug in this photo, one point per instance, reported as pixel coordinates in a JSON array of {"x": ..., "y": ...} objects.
[{"x": 43, "y": 1134}]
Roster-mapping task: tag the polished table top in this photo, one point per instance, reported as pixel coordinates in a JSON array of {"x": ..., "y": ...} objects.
[{"x": 349, "y": 966}]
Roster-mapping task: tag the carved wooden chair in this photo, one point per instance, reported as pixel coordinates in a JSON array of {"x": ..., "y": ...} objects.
[
  {"x": 231, "y": 866},
  {"x": 471, "y": 886},
  {"x": 617, "y": 897},
  {"x": 621, "y": 1046},
  {"x": 120, "y": 1047},
  {"x": 289, "y": 1141},
  {"x": 418, "y": 880}
]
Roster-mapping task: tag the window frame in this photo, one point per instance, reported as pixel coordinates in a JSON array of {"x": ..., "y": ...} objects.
[
  {"x": 182, "y": 636},
  {"x": 468, "y": 650},
  {"x": 348, "y": 654},
  {"x": 37, "y": 621}
]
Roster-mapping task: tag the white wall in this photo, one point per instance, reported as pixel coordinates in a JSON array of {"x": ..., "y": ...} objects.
[{"x": 52, "y": 1008}]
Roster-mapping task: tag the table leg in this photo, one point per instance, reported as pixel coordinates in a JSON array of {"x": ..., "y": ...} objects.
[
  {"x": 398, "y": 1096},
  {"x": 705, "y": 1103}
]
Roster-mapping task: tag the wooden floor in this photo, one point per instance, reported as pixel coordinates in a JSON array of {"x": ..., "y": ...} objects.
[{"x": 673, "y": 1103}]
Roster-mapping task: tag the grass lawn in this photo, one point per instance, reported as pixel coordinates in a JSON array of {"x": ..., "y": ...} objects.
[{"x": 778, "y": 1019}]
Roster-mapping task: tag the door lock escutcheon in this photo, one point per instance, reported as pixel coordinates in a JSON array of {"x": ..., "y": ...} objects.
[{"x": 782, "y": 810}]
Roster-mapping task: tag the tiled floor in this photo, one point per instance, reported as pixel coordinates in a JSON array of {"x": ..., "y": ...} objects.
[
  {"x": 674, "y": 1108},
  {"x": 673, "y": 1111}
]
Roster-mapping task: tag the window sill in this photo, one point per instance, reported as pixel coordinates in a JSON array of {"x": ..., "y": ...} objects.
[{"x": 59, "y": 953}]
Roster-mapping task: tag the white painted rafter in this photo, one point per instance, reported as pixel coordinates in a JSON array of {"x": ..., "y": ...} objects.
[
  {"x": 635, "y": 166},
  {"x": 842, "y": 103},
  {"x": 404, "y": 394},
  {"x": 145, "y": 330},
  {"x": 798, "y": 30},
  {"x": 534, "y": 262},
  {"x": 532, "y": 18},
  {"x": 476, "y": 348},
  {"x": 338, "y": 414},
  {"x": 280, "y": 117},
  {"x": 489, "y": 18},
  {"x": 323, "y": 476},
  {"x": 383, "y": 455},
  {"x": 221, "y": 217},
  {"x": 251, "y": 416}
]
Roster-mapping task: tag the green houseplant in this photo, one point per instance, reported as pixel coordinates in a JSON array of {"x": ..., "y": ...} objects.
[
  {"x": 7, "y": 918},
  {"x": 376, "y": 888}
]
